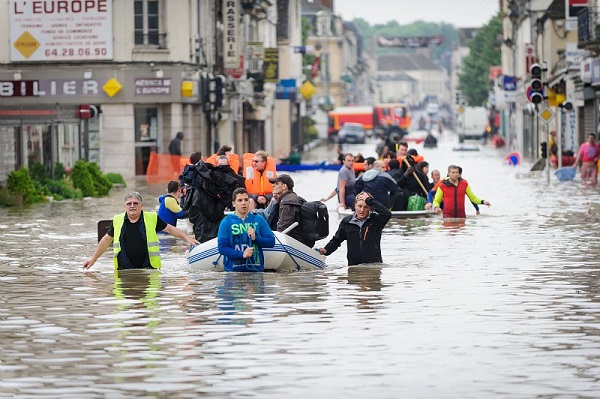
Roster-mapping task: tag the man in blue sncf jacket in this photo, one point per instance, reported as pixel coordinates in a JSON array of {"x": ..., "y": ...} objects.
[{"x": 243, "y": 235}]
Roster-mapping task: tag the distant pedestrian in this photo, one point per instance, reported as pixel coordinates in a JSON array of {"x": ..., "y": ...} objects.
[
  {"x": 588, "y": 155},
  {"x": 175, "y": 144}
]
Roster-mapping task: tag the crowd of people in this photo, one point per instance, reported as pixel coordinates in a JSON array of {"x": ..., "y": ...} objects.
[
  {"x": 261, "y": 202},
  {"x": 401, "y": 180}
]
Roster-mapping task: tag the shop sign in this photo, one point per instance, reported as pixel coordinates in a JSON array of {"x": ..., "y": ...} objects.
[
  {"x": 271, "y": 65},
  {"x": 286, "y": 89},
  {"x": 595, "y": 73},
  {"x": 152, "y": 86},
  {"x": 46, "y": 87},
  {"x": 75, "y": 30},
  {"x": 231, "y": 33}
]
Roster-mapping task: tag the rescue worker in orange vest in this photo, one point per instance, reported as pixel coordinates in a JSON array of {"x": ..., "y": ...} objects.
[{"x": 259, "y": 187}]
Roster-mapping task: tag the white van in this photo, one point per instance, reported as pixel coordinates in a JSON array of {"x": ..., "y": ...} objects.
[
  {"x": 432, "y": 109},
  {"x": 472, "y": 123}
]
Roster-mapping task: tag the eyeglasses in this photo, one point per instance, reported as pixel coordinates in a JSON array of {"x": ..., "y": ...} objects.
[{"x": 130, "y": 204}]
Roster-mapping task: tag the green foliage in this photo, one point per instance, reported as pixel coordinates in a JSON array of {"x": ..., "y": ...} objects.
[
  {"x": 38, "y": 172},
  {"x": 59, "y": 171},
  {"x": 101, "y": 184},
  {"x": 8, "y": 198},
  {"x": 29, "y": 186},
  {"x": 62, "y": 188},
  {"x": 115, "y": 178},
  {"x": 473, "y": 81},
  {"x": 309, "y": 130},
  {"x": 82, "y": 179},
  {"x": 23, "y": 188}
]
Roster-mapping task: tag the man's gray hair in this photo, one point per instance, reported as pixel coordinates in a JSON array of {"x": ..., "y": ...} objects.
[{"x": 135, "y": 195}]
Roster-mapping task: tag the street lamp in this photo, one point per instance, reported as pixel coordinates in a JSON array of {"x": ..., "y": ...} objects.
[{"x": 513, "y": 12}]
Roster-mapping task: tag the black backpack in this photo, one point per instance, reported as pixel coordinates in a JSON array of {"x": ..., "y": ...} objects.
[{"x": 315, "y": 221}]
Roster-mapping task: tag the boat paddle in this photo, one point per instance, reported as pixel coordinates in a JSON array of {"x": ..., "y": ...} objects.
[
  {"x": 290, "y": 228},
  {"x": 417, "y": 178}
]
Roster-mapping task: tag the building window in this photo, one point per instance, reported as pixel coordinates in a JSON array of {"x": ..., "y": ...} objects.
[{"x": 147, "y": 23}]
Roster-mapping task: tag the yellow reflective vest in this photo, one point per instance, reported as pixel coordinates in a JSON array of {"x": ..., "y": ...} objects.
[{"x": 150, "y": 220}]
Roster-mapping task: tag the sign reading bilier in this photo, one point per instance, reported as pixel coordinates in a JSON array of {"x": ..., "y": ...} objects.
[{"x": 61, "y": 30}]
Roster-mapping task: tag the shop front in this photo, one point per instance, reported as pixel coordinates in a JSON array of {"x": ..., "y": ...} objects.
[{"x": 115, "y": 118}]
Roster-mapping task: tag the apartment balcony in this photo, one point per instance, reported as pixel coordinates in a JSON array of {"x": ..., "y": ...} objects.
[{"x": 588, "y": 29}]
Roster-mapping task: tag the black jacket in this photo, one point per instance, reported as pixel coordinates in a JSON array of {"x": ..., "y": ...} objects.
[
  {"x": 411, "y": 184},
  {"x": 364, "y": 243},
  {"x": 209, "y": 190}
]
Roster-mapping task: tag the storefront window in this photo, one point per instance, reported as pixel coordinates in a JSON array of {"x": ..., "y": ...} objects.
[
  {"x": 146, "y": 122},
  {"x": 146, "y": 137}
]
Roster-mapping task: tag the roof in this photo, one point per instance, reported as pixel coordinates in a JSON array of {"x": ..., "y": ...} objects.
[
  {"x": 398, "y": 76},
  {"x": 405, "y": 62}
]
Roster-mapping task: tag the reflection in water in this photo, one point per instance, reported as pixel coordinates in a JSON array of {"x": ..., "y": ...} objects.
[
  {"x": 238, "y": 295},
  {"x": 367, "y": 279}
]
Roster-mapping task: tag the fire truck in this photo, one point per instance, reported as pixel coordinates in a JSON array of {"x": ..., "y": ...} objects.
[{"x": 391, "y": 120}]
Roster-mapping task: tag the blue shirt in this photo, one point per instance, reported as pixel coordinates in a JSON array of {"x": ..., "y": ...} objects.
[{"x": 233, "y": 240}]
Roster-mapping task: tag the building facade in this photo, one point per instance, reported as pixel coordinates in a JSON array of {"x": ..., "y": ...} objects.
[{"x": 111, "y": 81}]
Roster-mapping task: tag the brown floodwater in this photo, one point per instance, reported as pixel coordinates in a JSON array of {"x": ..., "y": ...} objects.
[{"x": 503, "y": 305}]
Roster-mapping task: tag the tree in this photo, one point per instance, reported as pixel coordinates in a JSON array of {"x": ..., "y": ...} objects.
[{"x": 474, "y": 81}]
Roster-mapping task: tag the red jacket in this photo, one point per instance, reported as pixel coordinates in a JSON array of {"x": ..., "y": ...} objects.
[{"x": 454, "y": 198}]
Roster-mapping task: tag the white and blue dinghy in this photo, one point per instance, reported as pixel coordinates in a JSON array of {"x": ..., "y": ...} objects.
[{"x": 287, "y": 255}]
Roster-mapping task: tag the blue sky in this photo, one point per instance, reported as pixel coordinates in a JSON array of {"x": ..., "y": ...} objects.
[{"x": 460, "y": 13}]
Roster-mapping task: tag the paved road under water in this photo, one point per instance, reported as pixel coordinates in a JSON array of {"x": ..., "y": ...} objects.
[{"x": 505, "y": 305}]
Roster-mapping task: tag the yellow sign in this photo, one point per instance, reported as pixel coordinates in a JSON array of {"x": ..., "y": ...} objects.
[
  {"x": 307, "y": 90},
  {"x": 187, "y": 88},
  {"x": 26, "y": 44},
  {"x": 546, "y": 114},
  {"x": 112, "y": 87}
]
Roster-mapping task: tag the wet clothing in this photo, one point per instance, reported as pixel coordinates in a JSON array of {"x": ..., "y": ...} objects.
[
  {"x": 589, "y": 152},
  {"x": 136, "y": 244},
  {"x": 454, "y": 198},
  {"x": 169, "y": 209},
  {"x": 377, "y": 183},
  {"x": 233, "y": 240},
  {"x": 289, "y": 212},
  {"x": 349, "y": 177},
  {"x": 363, "y": 238}
]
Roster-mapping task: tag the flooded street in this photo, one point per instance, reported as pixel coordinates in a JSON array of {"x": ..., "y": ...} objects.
[{"x": 504, "y": 305}]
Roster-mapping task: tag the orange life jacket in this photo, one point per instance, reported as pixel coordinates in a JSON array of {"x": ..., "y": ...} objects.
[
  {"x": 416, "y": 158},
  {"x": 359, "y": 166},
  {"x": 257, "y": 183},
  {"x": 182, "y": 162},
  {"x": 234, "y": 161}
]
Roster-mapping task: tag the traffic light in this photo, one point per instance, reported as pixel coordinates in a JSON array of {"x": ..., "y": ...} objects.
[
  {"x": 544, "y": 147},
  {"x": 216, "y": 91},
  {"x": 219, "y": 90},
  {"x": 536, "y": 94},
  {"x": 457, "y": 97}
]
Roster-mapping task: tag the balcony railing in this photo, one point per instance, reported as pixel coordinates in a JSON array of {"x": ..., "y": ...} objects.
[{"x": 588, "y": 28}]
